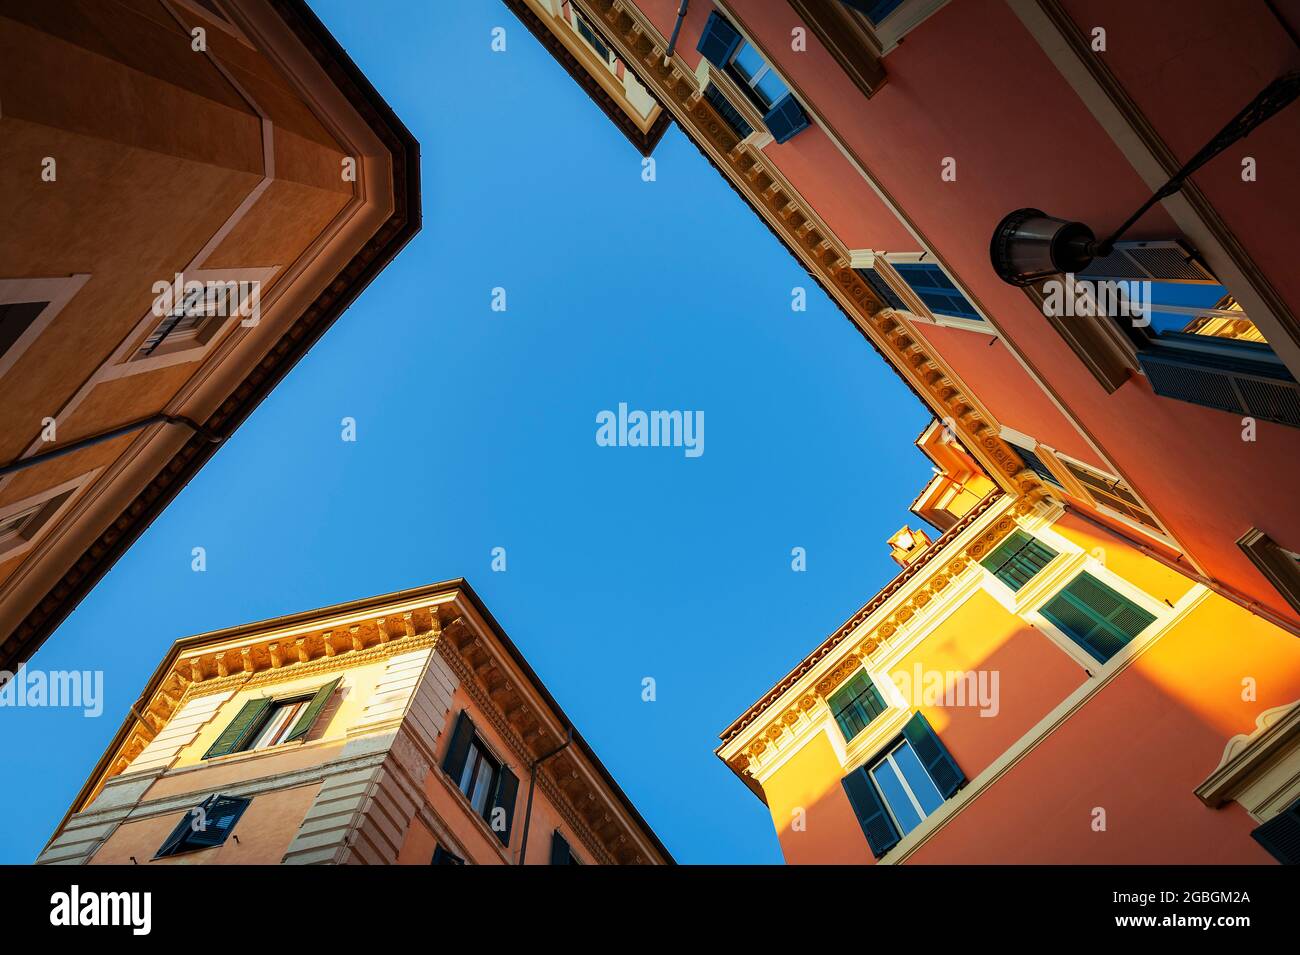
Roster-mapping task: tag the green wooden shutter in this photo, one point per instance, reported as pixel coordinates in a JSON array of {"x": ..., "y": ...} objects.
[
  {"x": 312, "y": 711},
  {"x": 881, "y": 833},
  {"x": 934, "y": 756},
  {"x": 507, "y": 787},
  {"x": 1096, "y": 617},
  {"x": 561, "y": 854},
  {"x": 1017, "y": 559},
  {"x": 454, "y": 762},
  {"x": 245, "y": 724},
  {"x": 1281, "y": 835}
]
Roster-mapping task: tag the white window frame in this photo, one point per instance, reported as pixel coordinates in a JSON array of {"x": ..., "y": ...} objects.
[
  {"x": 56, "y": 292},
  {"x": 888, "y": 757},
  {"x": 891, "y": 30},
  {"x": 196, "y": 345},
  {"x": 917, "y": 310}
]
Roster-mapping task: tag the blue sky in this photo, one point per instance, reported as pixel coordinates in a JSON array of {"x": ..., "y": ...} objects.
[{"x": 476, "y": 429}]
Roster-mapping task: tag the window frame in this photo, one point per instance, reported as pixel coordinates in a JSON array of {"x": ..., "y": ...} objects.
[
  {"x": 898, "y": 23},
  {"x": 54, "y": 292},
  {"x": 914, "y": 307},
  {"x": 1278, "y": 564},
  {"x": 887, "y": 757}
]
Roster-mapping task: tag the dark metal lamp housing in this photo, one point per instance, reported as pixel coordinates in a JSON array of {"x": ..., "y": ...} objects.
[{"x": 1029, "y": 245}]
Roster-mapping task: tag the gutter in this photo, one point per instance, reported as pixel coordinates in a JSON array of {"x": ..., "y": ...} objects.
[
  {"x": 532, "y": 780},
  {"x": 23, "y": 463}
]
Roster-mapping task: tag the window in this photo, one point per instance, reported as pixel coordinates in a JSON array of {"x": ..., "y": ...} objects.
[
  {"x": 20, "y": 528},
  {"x": 1111, "y": 493},
  {"x": 890, "y": 20},
  {"x": 267, "y": 722},
  {"x": 488, "y": 785},
  {"x": 205, "y": 826},
  {"x": 1279, "y": 565},
  {"x": 561, "y": 854},
  {"x": 722, "y": 45},
  {"x": 856, "y": 704},
  {"x": 1017, "y": 559},
  {"x": 1281, "y": 835},
  {"x": 1194, "y": 342},
  {"x": 902, "y": 785},
  {"x": 1095, "y": 617},
  {"x": 1037, "y": 465},
  {"x": 933, "y": 287},
  {"x": 16, "y": 318},
  {"x": 443, "y": 857},
  {"x": 588, "y": 33}
]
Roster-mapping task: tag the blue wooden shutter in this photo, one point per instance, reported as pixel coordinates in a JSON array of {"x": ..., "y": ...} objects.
[
  {"x": 246, "y": 722},
  {"x": 934, "y": 756},
  {"x": 1281, "y": 835},
  {"x": 507, "y": 788},
  {"x": 882, "y": 288},
  {"x": 785, "y": 118},
  {"x": 882, "y": 835},
  {"x": 561, "y": 854},
  {"x": 1096, "y": 617},
  {"x": 220, "y": 813},
  {"x": 308, "y": 717},
  {"x": 719, "y": 40},
  {"x": 1256, "y": 385},
  {"x": 454, "y": 762}
]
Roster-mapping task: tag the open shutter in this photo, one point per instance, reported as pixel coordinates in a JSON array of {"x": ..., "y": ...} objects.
[
  {"x": 507, "y": 787},
  {"x": 1255, "y": 385},
  {"x": 453, "y": 763},
  {"x": 1166, "y": 260},
  {"x": 173, "y": 841},
  {"x": 934, "y": 756},
  {"x": 301, "y": 728},
  {"x": 882, "y": 289},
  {"x": 245, "y": 723},
  {"x": 1281, "y": 835},
  {"x": 561, "y": 854},
  {"x": 876, "y": 825},
  {"x": 1096, "y": 617},
  {"x": 216, "y": 821},
  {"x": 785, "y": 118},
  {"x": 719, "y": 40}
]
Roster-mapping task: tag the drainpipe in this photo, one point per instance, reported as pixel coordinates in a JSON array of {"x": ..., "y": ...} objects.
[
  {"x": 677, "y": 27},
  {"x": 532, "y": 779},
  {"x": 24, "y": 463}
]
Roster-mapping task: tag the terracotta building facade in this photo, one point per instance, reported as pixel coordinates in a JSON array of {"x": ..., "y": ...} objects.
[{"x": 402, "y": 729}]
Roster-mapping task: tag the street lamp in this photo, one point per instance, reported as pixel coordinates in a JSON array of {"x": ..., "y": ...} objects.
[{"x": 1029, "y": 244}]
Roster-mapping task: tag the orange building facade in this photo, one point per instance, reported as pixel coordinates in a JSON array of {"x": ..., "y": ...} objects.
[
  {"x": 193, "y": 193},
  {"x": 399, "y": 729}
]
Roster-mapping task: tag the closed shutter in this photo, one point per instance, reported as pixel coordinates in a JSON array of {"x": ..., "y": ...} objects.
[
  {"x": 1096, "y": 617},
  {"x": 786, "y": 118},
  {"x": 1281, "y": 835},
  {"x": 719, "y": 41},
  {"x": 561, "y": 854},
  {"x": 303, "y": 726},
  {"x": 454, "y": 762},
  {"x": 1017, "y": 559},
  {"x": 245, "y": 724},
  {"x": 507, "y": 788},
  {"x": 876, "y": 825},
  {"x": 1255, "y": 385},
  {"x": 934, "y": 756}
]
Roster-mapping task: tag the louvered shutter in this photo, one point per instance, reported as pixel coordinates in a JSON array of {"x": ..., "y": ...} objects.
[
  {"x": 882, "y": 288},
  {"x": 308, "y": 717},
  {"x": 507, "y": 788},
  {"x": 785, "y": 119},
  {"x": 1096, "y": 617},
  {"x": 245, "y": 724},
  {"x": 561, "y": 854},
  {"x": 454, "y": 762},
  {"x": 1281, "y": 835},
  {"x": 719, "y": 41},
  {"x": 1017, "y": 559},
  {"x": 219, "y": 815},
  {"x": 934, "y": 756},
  {"x": 874, "y": 819},
  {"x": 1256, "y": 385},
  {"x": 1165, "y": 260}
]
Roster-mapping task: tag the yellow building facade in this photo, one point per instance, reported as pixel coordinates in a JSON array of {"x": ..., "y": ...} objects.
[
  {"x": 399, "y": 729},
  {"x": 1032, "y": 688}
]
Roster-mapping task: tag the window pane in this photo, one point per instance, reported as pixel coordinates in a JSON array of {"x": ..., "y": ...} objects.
[
  {"x": 747, "y": 61},
  {"x": 936, "y": 290},
  {"x": 482, "y": 784},
  {"x": 923, "y": 787},
  {"x": 472, "y": 758},
  {"x": 770, "y": 88},
  {"x": 891, "y": 787}
]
